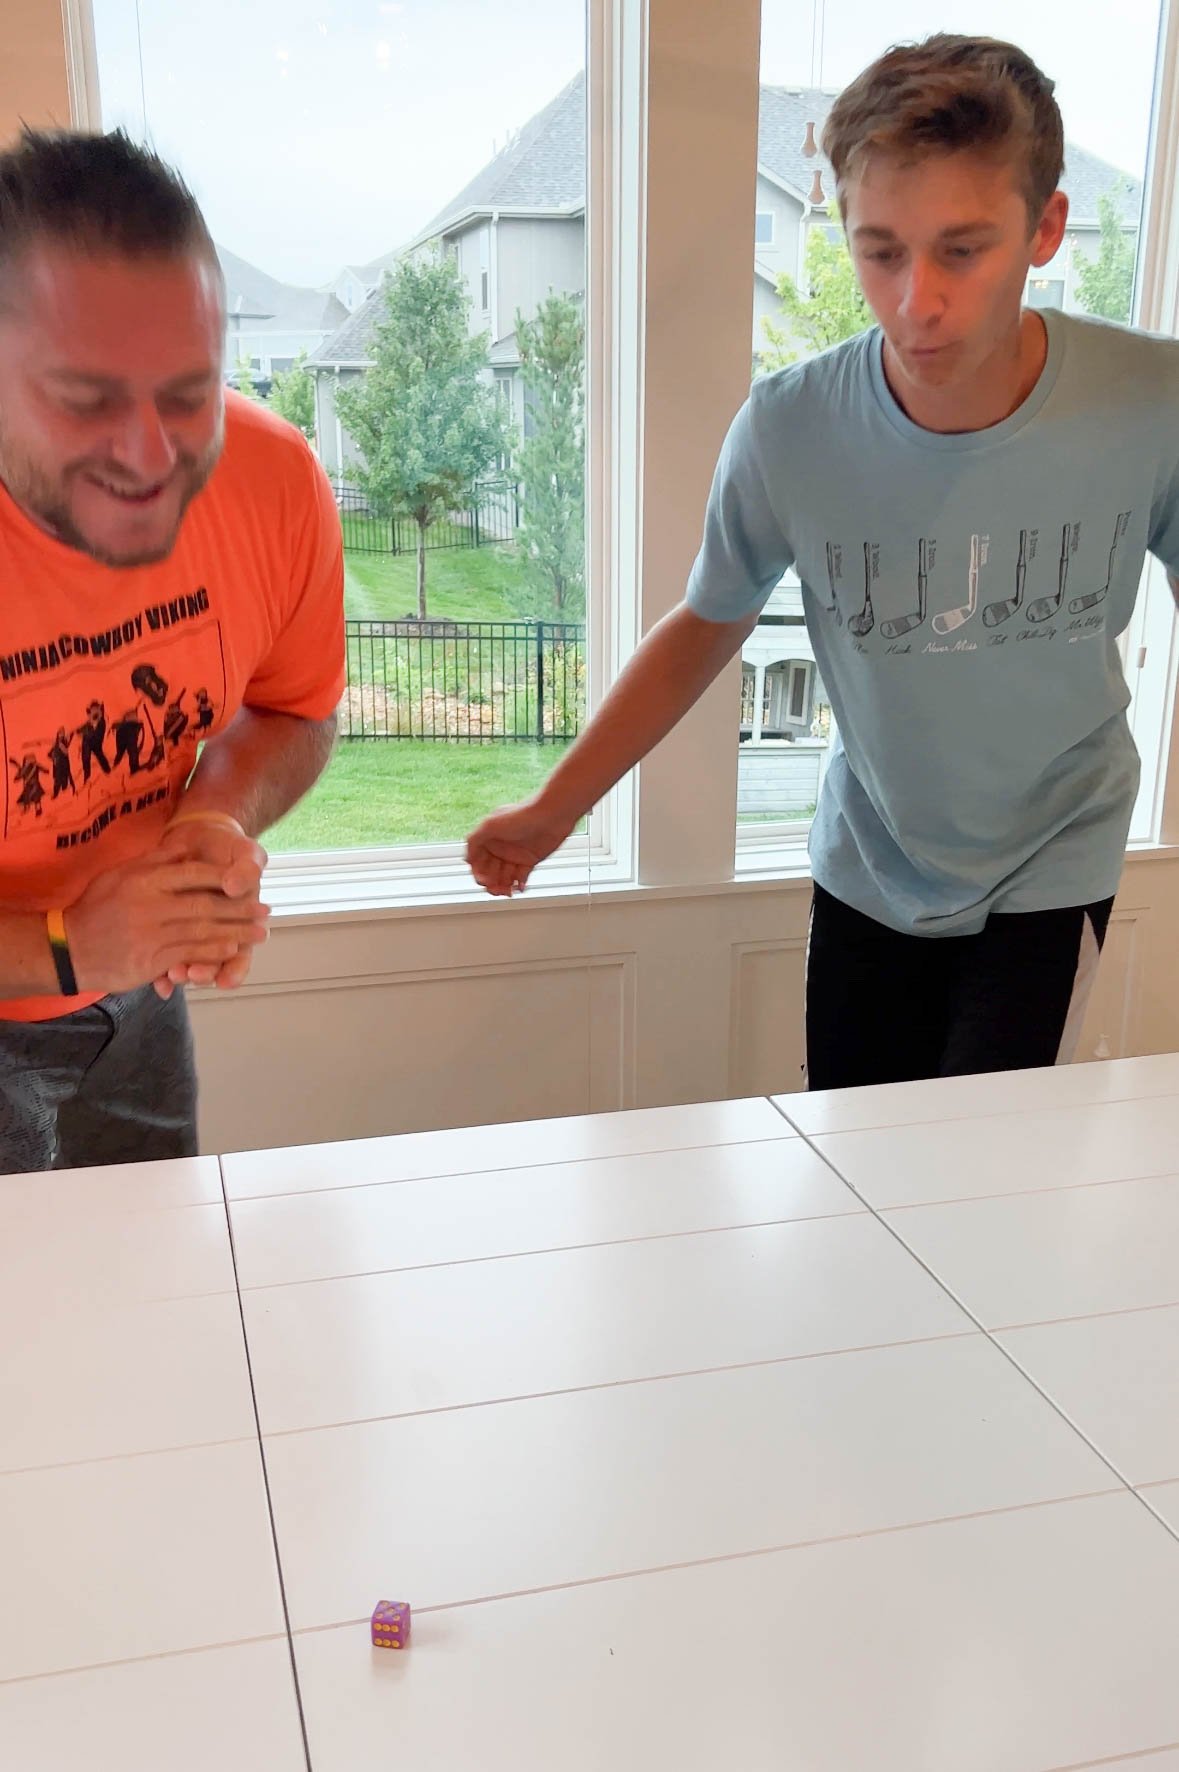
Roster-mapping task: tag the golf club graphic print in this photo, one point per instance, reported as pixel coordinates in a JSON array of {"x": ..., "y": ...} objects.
[
  {"x": 1045, "y": 607},
  {"x": 1092, "y": 598},
  {"x": 865, "y": 621},
  {"x": 1005, "y": 608},
  {"x": 904, "y": 624},
  {"x": 948, "y": 620},
  {"x": 833, "y": 607}
]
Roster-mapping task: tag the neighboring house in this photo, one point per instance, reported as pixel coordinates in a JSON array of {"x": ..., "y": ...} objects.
[
  {"x": 354, "y": 283},
  {"x": 518, "y": 230},
  {"x": 268, "y": 322}
]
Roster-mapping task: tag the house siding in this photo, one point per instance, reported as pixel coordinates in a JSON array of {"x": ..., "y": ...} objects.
[{"x": 535, "y": 257}]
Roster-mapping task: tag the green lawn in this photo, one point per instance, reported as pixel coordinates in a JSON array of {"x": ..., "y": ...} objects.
[
  {"x": 462, "y": 584},
  {"x": 777, "y": 817},
  {"x": 405, "y": 791},
  {"x": 381, "y": 793}
]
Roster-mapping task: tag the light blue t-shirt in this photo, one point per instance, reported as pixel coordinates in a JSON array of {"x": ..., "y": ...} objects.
[{"x": 963, "y": 595}]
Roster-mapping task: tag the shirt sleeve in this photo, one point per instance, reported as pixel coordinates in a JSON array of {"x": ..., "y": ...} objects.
[
  {"x": 303, "y": 672},
  {"x": 744, "y": 552},
  {"x": 1163, "y": 540}
]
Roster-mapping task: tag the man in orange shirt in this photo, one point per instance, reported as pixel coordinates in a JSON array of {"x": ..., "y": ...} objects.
[{"x": 173, "y": 577}]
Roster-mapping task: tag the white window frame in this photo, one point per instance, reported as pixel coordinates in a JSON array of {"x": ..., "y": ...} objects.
[
  {"x": 1151, "y": 653},
  {"x": 485, "y": 267},
  {"x": 653, "y": 440},
  {"x": 760, "y": 216}
]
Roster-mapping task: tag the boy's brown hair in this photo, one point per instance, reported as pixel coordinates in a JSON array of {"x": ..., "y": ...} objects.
[{"x": 945, "y": 95}]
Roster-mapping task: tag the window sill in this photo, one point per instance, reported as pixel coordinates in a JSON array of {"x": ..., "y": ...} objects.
[
  {"x": 306, "y": 889},
  {"x": 359, "y": 886},
  {"x": 361, "y": 890}
]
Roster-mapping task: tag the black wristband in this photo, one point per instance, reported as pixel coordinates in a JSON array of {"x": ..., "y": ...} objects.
[{"x": 59, "y": 947}]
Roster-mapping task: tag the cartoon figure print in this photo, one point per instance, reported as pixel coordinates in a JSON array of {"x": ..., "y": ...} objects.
[
  {"x": 28, "y": 773},
  {"x": 175, "y": 720},
  {"x": 59, "y": 757},
  {"x": 93, "y": 736},
  {"x": 142, "y": 735},
  {"x": 129, "y": 740}
]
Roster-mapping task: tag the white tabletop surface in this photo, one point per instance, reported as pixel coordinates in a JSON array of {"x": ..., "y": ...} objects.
[{"x": 826, "y": 1433}]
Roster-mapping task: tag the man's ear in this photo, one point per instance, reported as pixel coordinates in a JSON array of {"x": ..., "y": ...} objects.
[{"x": 1050, "y": 231}]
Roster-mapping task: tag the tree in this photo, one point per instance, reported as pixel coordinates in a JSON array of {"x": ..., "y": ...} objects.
[
  {"x": 551, "y": 462},
  {"x": 426, "y": 425},
  {"x": 833, "y": 308},
  {"x": 245, "y": 379},
  {"x": 1105, "y": 284},
  {"x": 292, "y": 395}
]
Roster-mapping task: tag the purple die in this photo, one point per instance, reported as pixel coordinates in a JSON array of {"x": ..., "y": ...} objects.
[{"x": 390, "y": 1624}]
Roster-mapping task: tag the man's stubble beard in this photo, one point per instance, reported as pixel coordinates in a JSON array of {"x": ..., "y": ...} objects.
[{"x": 46, "y": 500}]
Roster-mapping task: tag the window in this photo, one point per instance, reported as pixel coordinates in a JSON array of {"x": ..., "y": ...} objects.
[
  {"x": 748, "y": 692},
  {"x": 784, "y": 699},
  {"x": 1105, "y": 86},
  {"x": 764, "y": 228},
  {"x": 1045, "y": 292},
  {"x": 799, "y": 678},
  {"x": 503, "y": 389},
  {"x": 459, "y": 697}
]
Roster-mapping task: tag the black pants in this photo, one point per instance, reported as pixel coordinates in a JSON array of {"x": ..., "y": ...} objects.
[{"x": 887, "y": 1008}]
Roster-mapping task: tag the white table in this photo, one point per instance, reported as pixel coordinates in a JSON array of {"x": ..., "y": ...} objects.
[{"x": 829, "y": 1433}]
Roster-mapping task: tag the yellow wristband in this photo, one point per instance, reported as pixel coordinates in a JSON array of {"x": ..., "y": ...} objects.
[
  {"x": 59, "y": 947},
  {"x": 225, "y": 819}
]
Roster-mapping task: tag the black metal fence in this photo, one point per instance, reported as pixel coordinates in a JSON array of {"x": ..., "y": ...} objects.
[
  {"x": 469, "y": 682},
  {"x": 493, "y": 515}
]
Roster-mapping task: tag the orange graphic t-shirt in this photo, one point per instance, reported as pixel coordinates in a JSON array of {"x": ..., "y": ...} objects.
[{"x": 111, "y": 677}]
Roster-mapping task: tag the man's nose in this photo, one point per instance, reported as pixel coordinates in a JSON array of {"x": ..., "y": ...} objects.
[
  {"x": 142, "y": 446},
  {"x": 924, "y": 298}
]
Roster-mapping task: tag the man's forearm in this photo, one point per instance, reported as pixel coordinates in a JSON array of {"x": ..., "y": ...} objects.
[
  {"x": 671, "y": 669},
  {"x": 26, "y": 962},
  {"x": 259, "y": 767}
]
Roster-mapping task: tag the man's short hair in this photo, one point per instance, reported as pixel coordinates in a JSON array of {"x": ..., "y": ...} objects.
[
  {"x": 948, "y": 94},
  {"x": 98, "y": 193}
]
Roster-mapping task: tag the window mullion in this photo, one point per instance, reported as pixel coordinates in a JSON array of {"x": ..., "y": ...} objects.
[{"x": 701, "y": 151}]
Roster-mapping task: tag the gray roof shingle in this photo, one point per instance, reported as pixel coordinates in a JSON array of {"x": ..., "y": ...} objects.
[
  {"x": 252, "y": 294},
  {"x": 350, "y": 343},
  {"x": 542, "y": 168}
]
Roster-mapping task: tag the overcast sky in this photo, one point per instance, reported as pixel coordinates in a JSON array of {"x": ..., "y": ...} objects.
[{"x": 322, "y": 132}]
